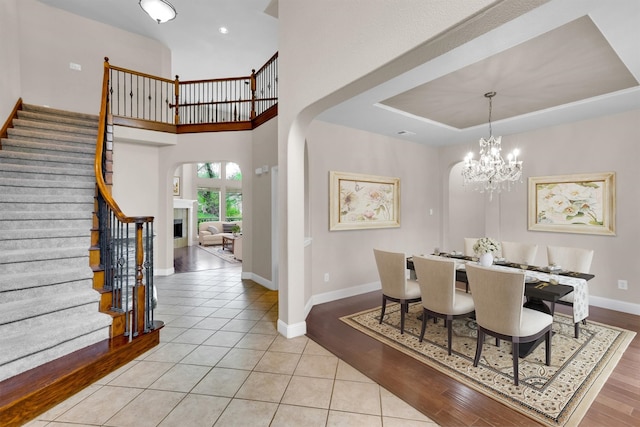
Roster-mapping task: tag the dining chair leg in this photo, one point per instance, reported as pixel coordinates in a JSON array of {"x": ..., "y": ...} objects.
[
  {"x": 384, "y": 307},
  {"x": 479, "y": 344},
  {"x": 424, "y": 323},
  {"x": 515, "y": 349},
  {"x": 576, "y": 327},
  {"x": 547, "y": 343},
  {"x": 449, "y": 323},
  {"x": 402, "y": 311}
]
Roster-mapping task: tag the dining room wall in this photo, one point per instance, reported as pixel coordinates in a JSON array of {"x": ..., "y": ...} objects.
[
  {"x": 598, "y": 145},
  {"x": 347, "y": 256}
]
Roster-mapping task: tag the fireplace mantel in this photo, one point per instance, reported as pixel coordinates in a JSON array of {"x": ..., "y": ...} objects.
[{"x": 191, "y": 206}]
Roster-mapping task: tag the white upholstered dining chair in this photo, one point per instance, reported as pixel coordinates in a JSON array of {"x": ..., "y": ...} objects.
[
  {"x": 468, "y": 245},
  {"x": 571, "y": 259},
  {"x": 440, "y": 298},
  {"x": 396, "y": 287},
  {"x": 519, "y": 252},
  {"x": 497, "y": 296}
]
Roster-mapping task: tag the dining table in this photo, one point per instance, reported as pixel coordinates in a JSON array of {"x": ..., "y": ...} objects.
[{"x": 541, "y": 285}]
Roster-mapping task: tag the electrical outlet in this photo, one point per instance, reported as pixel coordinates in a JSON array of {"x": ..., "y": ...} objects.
[
  {"x": 75, "y": 66},
  {"x": 326, "y": 277},
  {"x": 622, "y": 284}
]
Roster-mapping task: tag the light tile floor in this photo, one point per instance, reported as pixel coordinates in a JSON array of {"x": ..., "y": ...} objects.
[{"x": 221, "y": 362}]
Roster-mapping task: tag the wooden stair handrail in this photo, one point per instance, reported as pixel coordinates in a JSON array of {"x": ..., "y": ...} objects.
[
  {"x": 4, "y": 132},
  {"x": 102, "y": 124}
]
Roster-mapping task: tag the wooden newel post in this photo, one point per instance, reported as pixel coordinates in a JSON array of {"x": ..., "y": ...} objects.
[
  {"x": 253, "y": 94},
  {"x": 176, "y": 89},
  {"x": 139, "y": 305}
]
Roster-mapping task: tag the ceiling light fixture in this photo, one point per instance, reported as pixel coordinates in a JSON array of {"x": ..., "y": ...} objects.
[
  {"x": 491, "y": 172},
  {"x": 159, "y": 10},
  {"x": 223, "y": 30}
]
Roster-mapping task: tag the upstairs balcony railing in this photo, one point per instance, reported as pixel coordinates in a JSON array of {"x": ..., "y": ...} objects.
[{"x": 237, "y": 102}]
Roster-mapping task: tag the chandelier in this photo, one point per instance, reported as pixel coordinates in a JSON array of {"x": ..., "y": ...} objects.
[
  {"x": 491, "y": 173},
  {"x": 159, "y": 10}
]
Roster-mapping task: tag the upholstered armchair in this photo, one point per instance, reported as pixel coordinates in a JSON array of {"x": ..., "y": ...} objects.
[
  {"x": 497, "y": 295},
  {"x": 440, "y": 299},
  {"x": 396, "y": 287}
]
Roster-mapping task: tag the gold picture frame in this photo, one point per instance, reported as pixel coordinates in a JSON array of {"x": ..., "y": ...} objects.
[
  {"x": 358, "y": 201},
  {"x": 580, "y": 203},
  {"x": 176, "y": 185}
]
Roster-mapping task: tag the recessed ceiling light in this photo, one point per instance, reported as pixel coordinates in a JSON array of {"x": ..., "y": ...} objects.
[{"x": 223, "y": 30}]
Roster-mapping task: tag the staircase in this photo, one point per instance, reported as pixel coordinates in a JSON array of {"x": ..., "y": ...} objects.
[{"x": 48, "y": 307}]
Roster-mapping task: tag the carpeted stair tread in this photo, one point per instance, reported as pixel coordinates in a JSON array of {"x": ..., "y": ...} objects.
[
  {"x": 57, "y": 126},
  {"x": 44, "y": 233},
  {"x": 39, "y": 135},
  {"x": 46, "y": 119},
  {"x": 11, "y": 170},
  {"x": 53, "y": 112},
  {"x": 16, "y": 311},
  {"x": 33, "y": 255},
  {"x": 31, "y": 184},
  {"x": 39, "y": 279},
  {"x": 46, "y": 336},
  {"x": 42, "y": 216},
  {"x": 45, "y": 199},
  {"x": 25, "y": 239},
  {"x": 33, "y": 159},
  {"x": 40, "y": 146},
  {"x": 43, "y": 187}
]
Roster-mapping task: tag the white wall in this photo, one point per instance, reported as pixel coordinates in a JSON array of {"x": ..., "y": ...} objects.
[
  {"x": 135, "y": 163},
  {"x": 50, "y": 38},
  {"x": 348, "y": 255},
  {"x": 321, "y": 65},
  {"x": 9, "y": 58},
  {"x": 599, "y": 145}
]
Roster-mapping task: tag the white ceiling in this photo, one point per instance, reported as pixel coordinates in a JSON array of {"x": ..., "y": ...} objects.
[{"x": 566, "y": 60}]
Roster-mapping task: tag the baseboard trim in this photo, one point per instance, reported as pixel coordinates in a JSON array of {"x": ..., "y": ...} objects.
[
  {"x": 27, "y": 395},
  {"x": 164, "y": 271},
  {"x": 611, "y": 304},
  {"x": 259, "y": 280},
  {"x": 292, "y": 331},
  {"x": 345, "y": 293}
]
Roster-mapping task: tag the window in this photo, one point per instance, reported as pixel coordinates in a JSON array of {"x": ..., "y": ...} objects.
[
  {"x": 233, "y": 172},
  {"x": 208, "y": 204},
  {"x": 234, "y": 205},
  {"x": 209, "y": 170},
  {"x": 219, "y": 199}
]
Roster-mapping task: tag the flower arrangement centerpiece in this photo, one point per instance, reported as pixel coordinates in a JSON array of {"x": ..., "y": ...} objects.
[
  {"x": 236, "y": 229},
  {"x": 485, "y": 247}
]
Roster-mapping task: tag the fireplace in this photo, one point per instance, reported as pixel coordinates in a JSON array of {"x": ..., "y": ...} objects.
[{"x": 177, "y": 229}]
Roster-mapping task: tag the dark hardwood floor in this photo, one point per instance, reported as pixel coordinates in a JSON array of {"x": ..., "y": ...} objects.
[
  {"x": 443, "y": 399},
  {"x": 193, "y": 258},
  {"x": 448, "y": 402}
]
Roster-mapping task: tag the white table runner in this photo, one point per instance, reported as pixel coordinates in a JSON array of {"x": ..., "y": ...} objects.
[{"x": 580, "y": 289}]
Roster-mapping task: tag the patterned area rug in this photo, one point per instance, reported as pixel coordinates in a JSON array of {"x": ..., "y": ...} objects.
[
  {"x": 220, "y": 253},
  {"x": 556, "y": 395}
]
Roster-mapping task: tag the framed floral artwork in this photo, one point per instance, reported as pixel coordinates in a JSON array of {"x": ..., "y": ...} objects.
[
  {"x": 583, "y": 203},
  {"x": 359, "y": 201}
]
